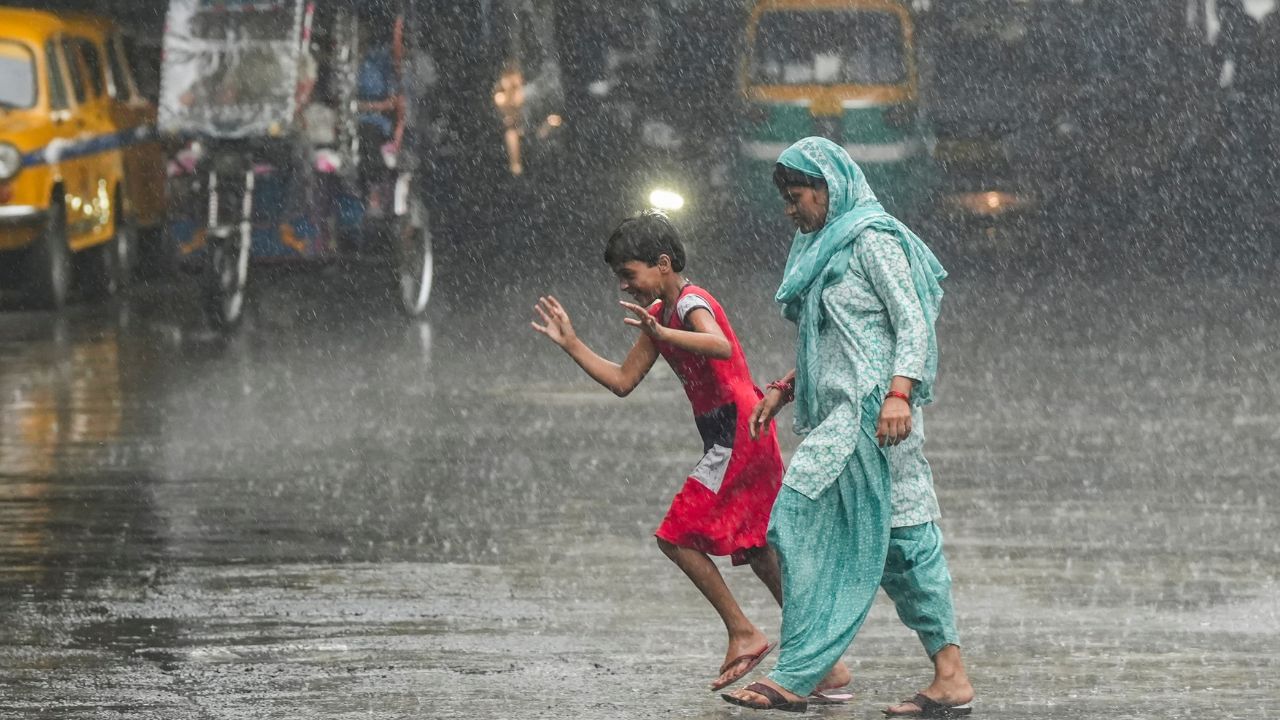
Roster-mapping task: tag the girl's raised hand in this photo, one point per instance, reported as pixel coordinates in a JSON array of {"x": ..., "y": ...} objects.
[
  {"x": 643, "y": 320},
  {"x": 763, "y": 412},
  {"x": 555, "y": 321}
]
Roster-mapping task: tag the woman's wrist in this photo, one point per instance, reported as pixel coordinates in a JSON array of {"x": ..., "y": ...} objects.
[
  {"x": 898, "y": 394},
  {"x": 787, "y": 389}
]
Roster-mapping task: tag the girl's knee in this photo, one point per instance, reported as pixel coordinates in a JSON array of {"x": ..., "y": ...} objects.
[{"x": 667, "y": 547}]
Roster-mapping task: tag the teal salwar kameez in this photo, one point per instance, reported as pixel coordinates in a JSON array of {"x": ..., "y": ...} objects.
[{"x": 853, "y": 516}]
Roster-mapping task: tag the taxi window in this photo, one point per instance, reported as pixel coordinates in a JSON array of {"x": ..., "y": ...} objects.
[
  {"x": 17, "y": 76},
  {"x": 119, "y": 86},
  {"x": 57, "y": 86},
  {"x": 829, "y": 47},
  {"x": 73, "y": 69},
  {"x": 93, "y": 64}
]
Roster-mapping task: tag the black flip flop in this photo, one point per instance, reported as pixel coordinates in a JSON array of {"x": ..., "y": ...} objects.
[
  {"x": 776, "y": 700},
  {"x": 930, "y": 708}
]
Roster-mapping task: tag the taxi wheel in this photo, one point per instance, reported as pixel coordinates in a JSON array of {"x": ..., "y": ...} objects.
[
  {"x": 107, "y": 265},
  {"x": 127, "y": 246},
  {"x": 49, "y": 262}
]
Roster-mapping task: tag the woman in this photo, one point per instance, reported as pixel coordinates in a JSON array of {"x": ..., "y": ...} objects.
[{"x": 864, "y": 292}]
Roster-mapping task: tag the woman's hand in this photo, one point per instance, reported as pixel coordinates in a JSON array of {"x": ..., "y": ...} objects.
[
  {"x": 643, "y": 320},
  {"x": 895, "y": 421},
  {"x": 763, "y": 412},
  {"x": 556, "y": 324}
]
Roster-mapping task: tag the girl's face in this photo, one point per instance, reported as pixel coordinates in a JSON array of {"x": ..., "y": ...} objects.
[
  {"x": 806, "y": 207},
  {"x": 642, "y": 281}
]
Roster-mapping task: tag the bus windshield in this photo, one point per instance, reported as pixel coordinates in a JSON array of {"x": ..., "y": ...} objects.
[{"x": 828, "y": 47}]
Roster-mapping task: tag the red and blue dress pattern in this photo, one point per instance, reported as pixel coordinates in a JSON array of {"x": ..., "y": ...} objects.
[{"x": 724, "y": 506}]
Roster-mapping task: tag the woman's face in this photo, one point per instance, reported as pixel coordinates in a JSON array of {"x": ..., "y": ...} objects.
[{"x": 806, "y": 207}]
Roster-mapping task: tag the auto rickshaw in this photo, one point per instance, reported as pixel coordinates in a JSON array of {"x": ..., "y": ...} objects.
[
  {"x": 842, "y": 69},
  {"x": 293, "y": 136}
]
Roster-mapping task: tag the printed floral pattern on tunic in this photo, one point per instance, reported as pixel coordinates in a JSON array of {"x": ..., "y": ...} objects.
[{"x": 859, "y": 353}]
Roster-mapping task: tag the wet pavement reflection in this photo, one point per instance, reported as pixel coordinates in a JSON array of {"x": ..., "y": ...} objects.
[{"x": 341, "y": 513}]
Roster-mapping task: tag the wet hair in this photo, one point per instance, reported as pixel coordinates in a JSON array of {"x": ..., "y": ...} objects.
[
  {"x": 785, "y": 177},
  {"x": 645, "y": 236}
]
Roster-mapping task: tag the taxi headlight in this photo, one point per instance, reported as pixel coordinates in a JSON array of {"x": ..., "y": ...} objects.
[{"x": 10, "y": 161}]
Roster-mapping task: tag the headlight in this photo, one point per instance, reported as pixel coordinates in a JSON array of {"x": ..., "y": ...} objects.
[
  {"x": 10, "y": 161},
  {"x": 990, "y": 204},
  {"x": 664, "y": 199}
]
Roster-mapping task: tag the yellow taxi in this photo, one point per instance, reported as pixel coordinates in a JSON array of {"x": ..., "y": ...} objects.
[
  {"x": 134, "y": 117},
  {"x": 63, "y": 181}
]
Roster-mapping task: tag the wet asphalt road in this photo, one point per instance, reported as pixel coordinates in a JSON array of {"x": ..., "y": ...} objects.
[{"x": 339, "y": 513}]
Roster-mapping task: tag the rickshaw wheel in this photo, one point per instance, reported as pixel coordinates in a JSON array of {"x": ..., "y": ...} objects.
[
  {"x": 415, "y": 259},
  {"x": 226, "y": 274}
]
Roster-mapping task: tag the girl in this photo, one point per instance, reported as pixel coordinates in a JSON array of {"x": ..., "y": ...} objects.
[{"x": 724, "y": 505}]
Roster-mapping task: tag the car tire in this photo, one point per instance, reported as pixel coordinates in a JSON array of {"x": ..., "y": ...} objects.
[{"x": 48, "y": 262}]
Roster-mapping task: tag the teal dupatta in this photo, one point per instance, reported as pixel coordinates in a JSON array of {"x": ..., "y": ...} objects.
[{"x": 820, "y": 259}]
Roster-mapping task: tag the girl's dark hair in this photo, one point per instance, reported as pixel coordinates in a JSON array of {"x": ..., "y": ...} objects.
[
  {"x": 785, "y": 177},
  {"x": 645, "y": 236}
]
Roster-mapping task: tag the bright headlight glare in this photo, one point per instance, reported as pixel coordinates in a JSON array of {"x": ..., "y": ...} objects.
[
  {"x": 989, "y": 203},
  {"x": 664, "y": 199},
  {"x": 10, "y": 161}
]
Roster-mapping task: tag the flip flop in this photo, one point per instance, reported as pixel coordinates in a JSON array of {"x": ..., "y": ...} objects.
[
  {"x": 930, "y": 708},
  {"x": 776, "y": 700},
  {"x": 827, "y": 697},
  {"x": 753, "y": 659}
]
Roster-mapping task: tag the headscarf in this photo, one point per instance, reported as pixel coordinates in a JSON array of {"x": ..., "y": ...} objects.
[{"x": 820, "y": 259}]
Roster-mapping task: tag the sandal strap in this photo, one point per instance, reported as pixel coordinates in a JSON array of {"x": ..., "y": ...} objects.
[
  {"x": 735, "y": 661},
  {"x": 927, "y": 704},
  {"x": 775, "y": 697}
]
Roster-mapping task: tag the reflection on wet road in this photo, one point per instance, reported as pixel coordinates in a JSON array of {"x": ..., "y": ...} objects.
[{"x": 339, "y": 513}]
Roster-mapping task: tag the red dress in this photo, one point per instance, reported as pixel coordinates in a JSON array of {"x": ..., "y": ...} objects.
[{"x": 724, "y": 506}]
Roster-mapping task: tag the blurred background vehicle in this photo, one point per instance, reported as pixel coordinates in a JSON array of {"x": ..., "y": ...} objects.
[
  {"x": 76, "y": 165},
  {"x": 843, "y": 69}
]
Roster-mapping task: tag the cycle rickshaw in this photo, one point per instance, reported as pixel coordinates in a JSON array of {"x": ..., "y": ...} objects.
[{"x": 291, "y": 126}]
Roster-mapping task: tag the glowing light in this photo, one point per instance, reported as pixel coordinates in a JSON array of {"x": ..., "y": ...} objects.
[{"x": 664, "y": 199}]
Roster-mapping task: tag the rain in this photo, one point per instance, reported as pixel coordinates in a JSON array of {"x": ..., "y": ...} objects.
[{"x": 278, "y": 441}]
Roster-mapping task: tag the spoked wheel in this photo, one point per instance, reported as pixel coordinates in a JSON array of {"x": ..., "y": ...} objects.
[
  {"x": 226, "y": 270},
  {"x": 414, "y": 258},
  {"x": 226, "y": 277}
]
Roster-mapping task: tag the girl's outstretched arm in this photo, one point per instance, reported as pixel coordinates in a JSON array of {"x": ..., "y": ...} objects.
[
  {"x": 619, "y": 379},
  {"x": 706, "y": 338}
]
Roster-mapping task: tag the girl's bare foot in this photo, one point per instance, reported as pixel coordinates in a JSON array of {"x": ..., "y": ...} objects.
[{"x": 743, "y": 655}]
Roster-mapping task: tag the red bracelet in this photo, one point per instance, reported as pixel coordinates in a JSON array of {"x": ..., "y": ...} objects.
[
  {"x": 899, "y": 395},
  {"x": 787, "y": 389}
]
